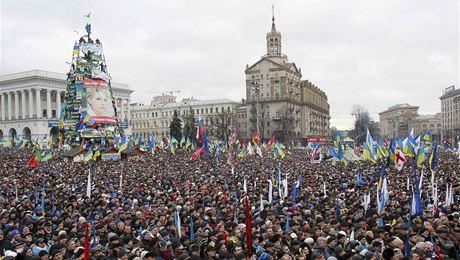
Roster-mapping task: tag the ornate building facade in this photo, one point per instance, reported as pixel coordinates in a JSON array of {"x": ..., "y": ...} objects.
[
  {"x": 427, "y": 123},
  {"x": 278, "y": 101},
  {"x": 31, "y": 102}
]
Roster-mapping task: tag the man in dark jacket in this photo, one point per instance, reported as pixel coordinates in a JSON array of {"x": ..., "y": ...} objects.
[{"x": 4, "y": 244}]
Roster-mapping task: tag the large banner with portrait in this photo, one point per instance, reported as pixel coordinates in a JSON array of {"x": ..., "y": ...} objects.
[{"x": 97, "y": 101}]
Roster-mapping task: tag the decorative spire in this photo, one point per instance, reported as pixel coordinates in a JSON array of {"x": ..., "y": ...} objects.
[{"x": 273, "y": 19}]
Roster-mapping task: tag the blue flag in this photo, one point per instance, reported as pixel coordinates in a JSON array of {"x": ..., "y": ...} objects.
[
  {"x": 43, "y": 195},
  {"x": 294, "y": 194},
  {"x": 407, "y": 247},
  {"x": 287, "y": 226},
  {"x": 88, "y": 28},
  {"x": 192, "y": 232}
]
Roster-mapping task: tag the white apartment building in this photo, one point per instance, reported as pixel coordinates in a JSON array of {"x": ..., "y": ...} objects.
[
  {"x": 450, "y": 111},
  {"x": 156, "y": 117}
]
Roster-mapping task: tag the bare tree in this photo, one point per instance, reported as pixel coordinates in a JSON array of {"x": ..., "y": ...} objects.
[
  {"x": 361, "y": 124},
  {"x": 286, "y": 122},
  {"x": 222, "y": 126},
  {"x": 189, "y": 129},
  {"x": 333, "y": 131}
]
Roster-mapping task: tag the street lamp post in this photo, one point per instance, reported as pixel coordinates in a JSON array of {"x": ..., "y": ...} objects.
[{"x": 256, "y": 88}]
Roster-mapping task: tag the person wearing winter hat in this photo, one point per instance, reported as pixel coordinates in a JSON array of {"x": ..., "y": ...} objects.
[
  {"x": 40, "y": 245},
  {"x": 44, "y": 255}
]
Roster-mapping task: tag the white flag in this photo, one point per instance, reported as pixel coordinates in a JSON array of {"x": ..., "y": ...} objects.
[
  {"x": 367, "y": 201},
  {"x": 270, "y": 191},
  {"x": 420, "y": 184},
  {"x": 435, "y": 197},
  {"x": 400, "y": 158},
  {"x": 250, "y": 150},
  {"x": 121, "y": 182},
  {"x": 414, "y": 204},
  {"x": 233, "y": 170},
  {"x": 178, "y": 224},
  {"x": 285, "y": 184},
  {"x": 447, "y": 195},
  {"x": 88, "y": 186},
  {"x": 245, "y": 186},
  {"x": 259, "y": 152},
  {"x": 324, "y": 190},
  {"x": 261, "y": 203}
]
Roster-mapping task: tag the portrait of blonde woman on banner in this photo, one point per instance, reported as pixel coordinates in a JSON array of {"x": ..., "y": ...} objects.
[{"x": 99, "y": 102}]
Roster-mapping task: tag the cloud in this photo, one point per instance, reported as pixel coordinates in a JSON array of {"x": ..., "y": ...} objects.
[{"x": 373, "y": 53}]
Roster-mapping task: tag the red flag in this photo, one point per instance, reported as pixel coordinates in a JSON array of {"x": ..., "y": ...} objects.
[
  {"x": 32, "y": 162},
  {"x": 385, "y": 142},
  {"x": 86, "y": 255},
  {"x": 248, "y": 228},
  {"x": 255, "y": 138},
  {"x": 197, "y": 153},
  {"x": 270, "y": 143},
  {"x": 244, "y": 142},
  {"x": 199, "y": 131},
  {"x": 438, "y": 250}
]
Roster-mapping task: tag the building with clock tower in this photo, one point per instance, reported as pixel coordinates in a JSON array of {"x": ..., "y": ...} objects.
[{"x": 279, "y": 102}]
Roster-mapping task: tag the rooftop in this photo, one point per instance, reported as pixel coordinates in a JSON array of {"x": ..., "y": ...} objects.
[
  {"x": 450, "y": 93},
  {"x": 48, "y": 74},
  {"x": 399, "y": 106},
  {"x": 427, "y": 117},
  {"x": 188, "y": 102}
]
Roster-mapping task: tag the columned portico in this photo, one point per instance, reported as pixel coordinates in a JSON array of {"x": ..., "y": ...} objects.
[
  {"x": 23, "y": 104},
  {"x": 16, "y": 105},
  {"x": 122, "y": 110},
  {"x": 10, "y": 106},
  {"x": 38, "y": 103},
  {"x": 48, "y": 104},
  {"x": 58, "y": 104},
  {"x": 31, "y": 103},
  {"x": 129, "y": 111},
  {"x": 3, "y": 106},
  {"x": 22, "y": 95}
]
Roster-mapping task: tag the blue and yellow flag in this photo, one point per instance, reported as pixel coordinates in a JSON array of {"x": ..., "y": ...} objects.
[
  {"x": 182, "y": 142},
  {"x": 187, "y": 145},
  {"x": 22, "y": 144},
  {"x": 97, "y": 153},
  {"x": 241, "y": 153},
  {"x": 368, "y": 149},
  {"x": 279, "y": 149},
  {"x": 433, "y": 158},
  {"x": 421, "y": 156},
  {"x": 123, "y": 145},
  {"x": 76, "y": 48},
  {"x": 88, "y": 155},
  {"x": 4, "y": 142}
]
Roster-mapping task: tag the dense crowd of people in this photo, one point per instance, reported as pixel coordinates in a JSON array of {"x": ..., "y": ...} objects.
[{"x": 166, "y": 206}]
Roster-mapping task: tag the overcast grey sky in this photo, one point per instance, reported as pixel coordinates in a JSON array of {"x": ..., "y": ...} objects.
[{"x": 370, "y": 52}]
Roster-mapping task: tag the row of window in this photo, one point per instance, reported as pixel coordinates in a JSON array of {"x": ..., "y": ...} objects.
[
  {"x": 184, "y": 112},
  {"x": 163, "y": 124},
  {"x": 53, "y": 96}
]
